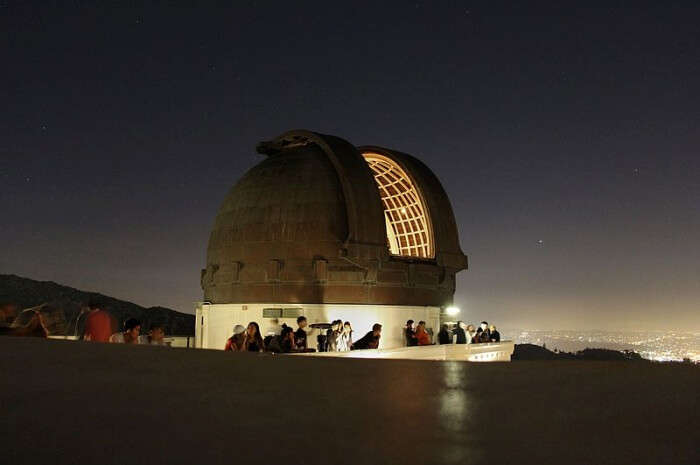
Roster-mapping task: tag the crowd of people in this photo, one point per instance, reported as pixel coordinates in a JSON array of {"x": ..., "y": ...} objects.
[
  {"x": 284, "y": 339},
  {"x": 460, "y": 334},
  {"x": 99, "y": 324},
  {"x": 334, "y": 337},
  {"x": 131, "y": 334},
  {"x": 337, "y": 337},
  {"x": 98, "y": 327}
]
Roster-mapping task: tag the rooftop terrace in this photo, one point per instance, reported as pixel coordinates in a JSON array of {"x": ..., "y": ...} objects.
[{"x": 77, "y": 403}]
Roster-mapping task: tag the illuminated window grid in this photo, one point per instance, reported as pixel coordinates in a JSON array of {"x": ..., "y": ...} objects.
[{"x": 407, "y": 224}]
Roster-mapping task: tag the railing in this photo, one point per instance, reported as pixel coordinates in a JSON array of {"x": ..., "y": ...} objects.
[{"x": 172, "y": 341}]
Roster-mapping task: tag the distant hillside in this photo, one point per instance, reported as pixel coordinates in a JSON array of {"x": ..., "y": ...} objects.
[
  {"x": 535, "y": 352},
  {"x": 61, "y": 305}
]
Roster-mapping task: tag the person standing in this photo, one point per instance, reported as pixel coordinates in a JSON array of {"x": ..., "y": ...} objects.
[
  {"x": 345, "y": 338},
  {"x": 411, "y": 339},
  {"x": 300, "y": 336},
  {"x": 460, "y": 335},
  {"x": 369, "y": 340},
  {"x": 130, "y": 335},
  {"x": 422, "y": 335},
  {"x": 99, "y": 324},
  {"x": 333, "y": 334},
  {"x": 444, "y": 336},
  {"x": 494, "y": 334},
  {"x": 470, "y": 332},
  {"x": 482, "y": 334}
]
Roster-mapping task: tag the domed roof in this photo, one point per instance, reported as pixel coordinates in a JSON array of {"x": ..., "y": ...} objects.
[
  {"x": 321, "y": 221},
  {"x": 280, "y": 205}
]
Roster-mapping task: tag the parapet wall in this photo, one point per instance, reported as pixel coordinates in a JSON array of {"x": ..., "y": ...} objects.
[{"x": 486, "y": 352}]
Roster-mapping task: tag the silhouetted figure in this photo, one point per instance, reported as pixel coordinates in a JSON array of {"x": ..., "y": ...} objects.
[
  {"x": 369, "y": 340},
  {"x": 482, "y": 333},
  {"x": 300, "y": 336},
  {"x": 287, "y": 344},
  {"x": 460, "y": 335},
  {"x": 35, "y": 327},
  {"x": 494, "y": 334},
  {"x": 8, "y": 313},
  {"x": 410, "y": 334},
  {"x": 444, "y": 336},
  {"x": 272, "y": 343}
]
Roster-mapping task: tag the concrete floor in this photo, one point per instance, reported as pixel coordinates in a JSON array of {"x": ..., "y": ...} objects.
[{"x": 80, "y": 403}]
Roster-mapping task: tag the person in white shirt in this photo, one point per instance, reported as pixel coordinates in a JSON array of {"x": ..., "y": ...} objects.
[
  {"x": 471, "y": 332},
  {"x": 130, "y": 335},
  {"x": 344, "y": 341}
]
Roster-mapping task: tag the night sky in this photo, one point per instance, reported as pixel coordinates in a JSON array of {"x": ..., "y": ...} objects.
[{"x": 567, "y": 139}]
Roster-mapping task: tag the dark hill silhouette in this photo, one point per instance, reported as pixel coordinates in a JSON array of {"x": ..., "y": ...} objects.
[
  {"x": 532, "y": 352},
  {"x": 535, "y": 352},
  {"x": 61, "y": 305}
]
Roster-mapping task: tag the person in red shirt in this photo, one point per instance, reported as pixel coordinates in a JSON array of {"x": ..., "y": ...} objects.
[
  {"x": 98, "y": 324},
  {"x": 422, "y": 335},
  {"x": 235, "y": 342}
]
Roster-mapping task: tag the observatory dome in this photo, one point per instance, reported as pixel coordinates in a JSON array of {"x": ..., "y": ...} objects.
[{"x": 320, "y": 220}]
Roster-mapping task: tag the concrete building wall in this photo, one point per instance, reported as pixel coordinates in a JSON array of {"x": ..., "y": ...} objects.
[
  {"x": 215, "y": 322},
  {"x": 484, "y": 352}
]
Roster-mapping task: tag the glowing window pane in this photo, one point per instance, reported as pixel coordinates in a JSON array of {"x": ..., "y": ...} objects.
[{"x": 408, "y": 229}]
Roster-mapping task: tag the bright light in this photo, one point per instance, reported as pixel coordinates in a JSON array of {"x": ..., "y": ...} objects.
[{"x": 452, "y": 311}]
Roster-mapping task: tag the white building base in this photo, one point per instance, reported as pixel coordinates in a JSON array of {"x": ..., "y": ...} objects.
[
  {"x": 214, "y": 322},
  {"x": 486, "y": 352}
]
